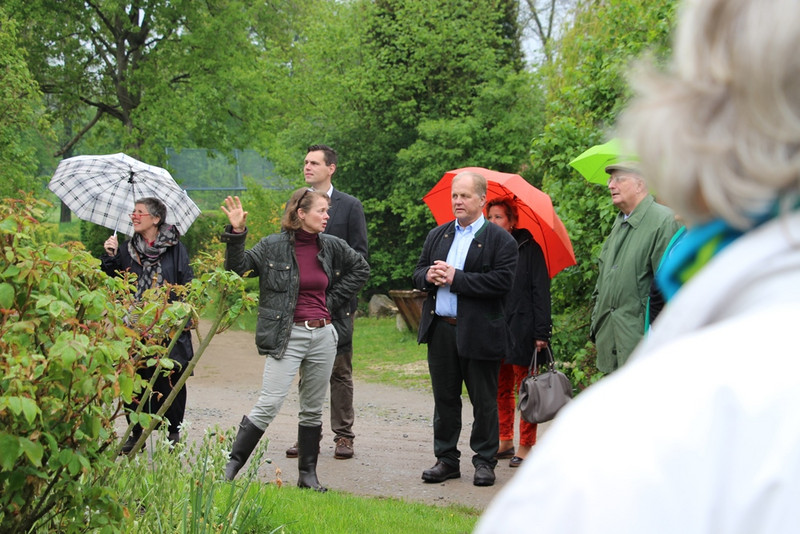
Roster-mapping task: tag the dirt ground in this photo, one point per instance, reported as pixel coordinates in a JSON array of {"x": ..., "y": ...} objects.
[{"x": 393, "y": 427}]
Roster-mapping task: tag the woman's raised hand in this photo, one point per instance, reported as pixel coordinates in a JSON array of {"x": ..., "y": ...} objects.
[{"x": 236, "y": 214}]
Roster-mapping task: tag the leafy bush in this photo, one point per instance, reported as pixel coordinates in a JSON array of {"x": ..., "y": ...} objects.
[
  {"x": 265, "y": 208},
  {"x": 93, "y": 236},
  {"x": 180, "y": 490},
  {"x": 203, "y": 235},
  {"x": 64, "y": 365},
  {"x": 67, "y": 336}
]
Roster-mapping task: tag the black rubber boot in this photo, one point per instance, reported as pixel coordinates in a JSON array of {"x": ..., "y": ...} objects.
[
  {"x": 133, "y": 437},
  {"x": 307, "y": 454},
  {"x": 246, "y": 440}
]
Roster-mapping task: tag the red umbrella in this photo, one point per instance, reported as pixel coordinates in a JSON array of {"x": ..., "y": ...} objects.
[{"x": 536, "y": 212}]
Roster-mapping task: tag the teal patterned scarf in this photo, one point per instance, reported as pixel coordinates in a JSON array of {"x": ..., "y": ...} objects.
[{"x": 702, "y": 243}]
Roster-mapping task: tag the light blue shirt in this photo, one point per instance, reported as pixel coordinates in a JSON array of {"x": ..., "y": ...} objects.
[{"x": 446, "y": 301}]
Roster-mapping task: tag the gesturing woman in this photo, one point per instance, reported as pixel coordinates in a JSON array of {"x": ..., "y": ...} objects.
[{"x": 304, "y": 276}]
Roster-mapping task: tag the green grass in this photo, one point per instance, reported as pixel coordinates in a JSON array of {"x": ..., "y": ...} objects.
[
  {"x": 383, "y": 354},
  {"x": 294, "y": 510},
  {"x": 182, "y": 491}
]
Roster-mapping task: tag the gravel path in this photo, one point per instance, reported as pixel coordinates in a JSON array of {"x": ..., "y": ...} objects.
[{"x": 394, "y": 434}]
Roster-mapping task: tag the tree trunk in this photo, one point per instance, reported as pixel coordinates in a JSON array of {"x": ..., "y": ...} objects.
[{"x": 66, "y": 214}]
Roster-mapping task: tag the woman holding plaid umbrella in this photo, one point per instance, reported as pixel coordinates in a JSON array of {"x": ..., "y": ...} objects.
[{"x": 156, "y": 255}]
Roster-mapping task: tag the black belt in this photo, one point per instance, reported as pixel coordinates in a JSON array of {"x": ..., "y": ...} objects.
[
  {"x": 448, "y": 320},
  {"x": 313, "y": 323}
]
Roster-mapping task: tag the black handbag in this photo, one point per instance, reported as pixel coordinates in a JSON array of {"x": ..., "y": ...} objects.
[{"x": 542, "y": 395}]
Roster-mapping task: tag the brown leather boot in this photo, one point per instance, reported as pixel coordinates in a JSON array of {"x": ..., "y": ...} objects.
[{"x": 291, "y": 452}]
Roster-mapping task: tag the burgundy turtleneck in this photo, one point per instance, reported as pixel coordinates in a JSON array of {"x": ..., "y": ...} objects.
[{"x": 313, "y": 280}]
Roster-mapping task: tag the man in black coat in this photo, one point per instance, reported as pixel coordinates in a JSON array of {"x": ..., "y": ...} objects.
[
  {"x": 347, "y": 221},
  {"x": 467, "y": 267}
]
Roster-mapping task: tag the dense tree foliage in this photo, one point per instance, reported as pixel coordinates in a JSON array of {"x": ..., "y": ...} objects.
[
  {"x": 21, "y": 120},
  {"x": 152, "y": 74}
]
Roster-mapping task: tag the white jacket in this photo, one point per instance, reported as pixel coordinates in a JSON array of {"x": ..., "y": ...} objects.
[{"x": 700, "y": 431}]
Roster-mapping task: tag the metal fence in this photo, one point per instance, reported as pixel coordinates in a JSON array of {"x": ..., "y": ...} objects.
[{"x": 209, "y": 175}]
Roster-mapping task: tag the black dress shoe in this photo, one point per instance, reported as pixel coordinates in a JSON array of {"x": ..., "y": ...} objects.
[
  {"x": 440, "y": 472},
  {"x": 484, "y": 475},
  {"x": 516, "y": 461}
]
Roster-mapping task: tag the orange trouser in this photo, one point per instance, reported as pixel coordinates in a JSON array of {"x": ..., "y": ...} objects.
[{"x": 507, "y": 386}]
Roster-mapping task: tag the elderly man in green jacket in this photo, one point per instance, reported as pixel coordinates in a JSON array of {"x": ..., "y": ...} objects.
[{"x": 628, "y": 261}]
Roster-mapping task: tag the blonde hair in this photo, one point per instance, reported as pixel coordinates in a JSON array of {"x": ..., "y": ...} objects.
[{"x": 719, "y": 134}]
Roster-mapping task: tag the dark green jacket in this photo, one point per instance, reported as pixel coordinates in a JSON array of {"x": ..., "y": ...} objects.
[
  {"x": 273, "y": 260},
  {"x": 628, "y": 260}
]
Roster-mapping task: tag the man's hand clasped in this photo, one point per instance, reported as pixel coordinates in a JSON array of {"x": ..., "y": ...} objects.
[{"x": 440, "y": 273}]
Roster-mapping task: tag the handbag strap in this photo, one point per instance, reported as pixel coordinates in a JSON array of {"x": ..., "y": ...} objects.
[{"x": 550, "y": 361}]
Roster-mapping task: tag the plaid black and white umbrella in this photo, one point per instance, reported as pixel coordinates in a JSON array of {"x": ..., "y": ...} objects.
[{"x": 103, "y": 190}]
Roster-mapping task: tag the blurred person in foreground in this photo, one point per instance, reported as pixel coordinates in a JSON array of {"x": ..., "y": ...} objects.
[
  {"x": 156, "y": 255},
  {"x": 467, "y": 267},
  {"x": 694, "y": 434},
  {"x": 305, "y": 277},
  {"x": 528, "y": 314}
]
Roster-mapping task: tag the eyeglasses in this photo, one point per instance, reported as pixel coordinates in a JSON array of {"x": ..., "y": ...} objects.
[
  {"x": 139, "y": 214},
  {"x": 617, "y": 178},
  {"x": 300, "y": 200}
]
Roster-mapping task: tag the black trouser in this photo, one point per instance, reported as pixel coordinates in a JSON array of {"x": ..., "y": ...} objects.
[
  {"x": 448, "y": 371},
  {"x": 161, "y": 390}
]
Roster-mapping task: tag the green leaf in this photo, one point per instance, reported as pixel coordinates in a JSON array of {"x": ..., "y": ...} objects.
[
  {"x": 30, "y": 409},
  {"x": 70, "y": 347},
  {"x": 10, "y": 450},
  {"x": 59, "y": 308},
  {"x": 14, "y": 404},
  {"x": 6, "y": 295},
  {"x": 74, "y": 465},
  {"x": 12, "y": 270},
  {"x": 126, "y": 386},
  {"x": 8, "y": 225},
  {"x": 58, "y": 254},
  {"x": 34, "y": 451}
]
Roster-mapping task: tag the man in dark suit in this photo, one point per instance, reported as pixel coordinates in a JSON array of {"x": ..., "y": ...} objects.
[
  {"x": 346, "y": 220},
  {"x": 467, "y": 267}
]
